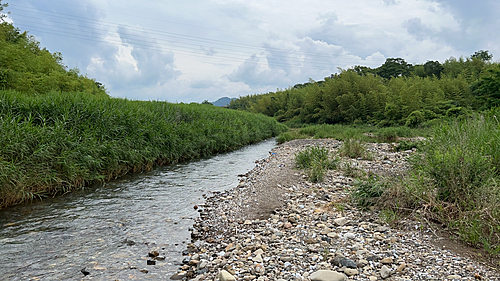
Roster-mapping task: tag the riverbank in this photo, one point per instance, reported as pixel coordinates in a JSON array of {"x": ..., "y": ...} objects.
[
  {"x": 57, "y": 142},
  {"x": 277, "y": 225}
]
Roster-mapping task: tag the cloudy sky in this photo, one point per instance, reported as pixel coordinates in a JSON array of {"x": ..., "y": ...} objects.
[{"x": 195, "y": 50}]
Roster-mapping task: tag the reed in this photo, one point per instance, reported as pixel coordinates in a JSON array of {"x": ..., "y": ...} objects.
[{"x": 54, "y": 143}]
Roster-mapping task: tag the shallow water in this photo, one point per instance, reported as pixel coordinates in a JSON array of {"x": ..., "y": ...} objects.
[{"x": 109, "y": 229}]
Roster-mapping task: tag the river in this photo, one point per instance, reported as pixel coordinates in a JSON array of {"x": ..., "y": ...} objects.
[{"x": 109, "y": 229}]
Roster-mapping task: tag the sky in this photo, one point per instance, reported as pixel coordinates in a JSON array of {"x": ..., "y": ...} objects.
[{"x": 196, "y": 50}]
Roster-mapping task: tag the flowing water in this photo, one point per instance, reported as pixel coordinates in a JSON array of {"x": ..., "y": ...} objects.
[{"x": 110, "y": 229}]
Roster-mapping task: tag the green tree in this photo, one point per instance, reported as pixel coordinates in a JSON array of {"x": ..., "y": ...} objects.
[
  {"x": 433, "y": 68},
  {"x": 394, "y": 67},
  {"x": 482, "y": 55},
  {"x": 2, "y": 15},
  {"x": 487, "y": 90}
]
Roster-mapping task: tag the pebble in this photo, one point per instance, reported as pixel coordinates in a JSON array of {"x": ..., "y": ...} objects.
[
  {"x": 226, "y": 276},
  {"x": 385, "y": 272},
  {"x": 306, "y": 237}
]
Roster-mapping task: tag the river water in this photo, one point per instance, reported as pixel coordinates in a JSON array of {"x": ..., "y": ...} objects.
[{"x": 109, "y": 229}]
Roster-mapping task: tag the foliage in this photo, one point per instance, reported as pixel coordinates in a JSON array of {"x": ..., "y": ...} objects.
[
  {"x": 288, "y": 136},
  {"x": 394, "y": 94},
  {"x": 461, "y": 157},
  {"x": 316, "y": 161},
  {"x": 28, "y": 68},
  {"x": 406, "y": 145},
  {"x": 366, "y": 192},
  {"x": 394, "y": 68},
  {"x": 455, "y": 180},
  {"x": 57, "y": 142},
  {"x": 354, "y": 148},
  {"x": 487, "y": 89}
]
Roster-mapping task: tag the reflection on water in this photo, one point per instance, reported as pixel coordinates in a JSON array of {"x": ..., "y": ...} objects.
[{"x": 109, "y": 229}]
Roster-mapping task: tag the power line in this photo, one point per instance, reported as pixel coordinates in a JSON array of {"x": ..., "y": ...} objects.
[
  {"x": 219, "y": 59},
  {"x": 177, "y": 35}
]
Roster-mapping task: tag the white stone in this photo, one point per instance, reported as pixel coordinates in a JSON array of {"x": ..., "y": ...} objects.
[
  {"x": 341, "y": 221},
  {"x": 327, "y": 275},
  {"x": 226, "y": 276},
  {"x": 385, "y": 272}
]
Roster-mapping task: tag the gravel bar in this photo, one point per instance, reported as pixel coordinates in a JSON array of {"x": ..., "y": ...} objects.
[{"x": 275, "y": 225}]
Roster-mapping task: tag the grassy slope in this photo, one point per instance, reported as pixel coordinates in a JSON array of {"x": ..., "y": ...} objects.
[{"x": 57, "y": 142}]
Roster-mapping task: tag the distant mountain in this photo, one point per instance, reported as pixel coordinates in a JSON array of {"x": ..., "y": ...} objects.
[{"x": 223, "y": 101}]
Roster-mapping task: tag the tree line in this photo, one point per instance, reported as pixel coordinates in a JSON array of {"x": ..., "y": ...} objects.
[{"x": 396, "y": 93}]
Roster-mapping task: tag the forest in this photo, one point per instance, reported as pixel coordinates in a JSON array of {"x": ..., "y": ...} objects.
[{"x": 396, "y": 93}]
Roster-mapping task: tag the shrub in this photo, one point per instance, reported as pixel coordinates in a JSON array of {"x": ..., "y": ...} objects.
[
  {"x": 367, "y": 192},
  {"x": 459, "y": 179},
  {"x": 353, "y": 148},
  {"x": 316, "y": 161}
]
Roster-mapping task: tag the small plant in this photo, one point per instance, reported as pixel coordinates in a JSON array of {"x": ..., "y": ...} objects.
[
  {"x": 389, "y": 216},
  {"x": 366, "y": 192},
  {"x": 351, "y": 171},
  {"x": 316, "y": 161},
  {"x": 354, "y": 148},
  {"x": 406, "y": 145}
]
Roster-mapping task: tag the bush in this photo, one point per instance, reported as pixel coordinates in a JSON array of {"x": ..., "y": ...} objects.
[
  {"x": 367, "y": 192},
  {"x": 406, "y": 145},
  {"x": 316, "y": 161},
  {"x": 391, "y": 134},
  {"x": 458, "y": 168},
  {"x": 353, "y": 148},
  {"x": 461, "y": 158}
]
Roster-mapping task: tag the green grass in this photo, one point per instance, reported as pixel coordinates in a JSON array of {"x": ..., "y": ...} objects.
[
  {"x": 363, "y": 133},
  {"x": 354, "y": 148},
  {"x": 57, "y": 142},
  {"x": 315, "y": 161},
  {"x": 455, "y": 180},
  {"x": 288, "y": 136}
]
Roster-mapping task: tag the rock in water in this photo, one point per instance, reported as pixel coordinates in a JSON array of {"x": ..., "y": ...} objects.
[
  {"x": 84, "y": 271},
  {"x": 226, "y": 276},
  {"x": 327, "y": 275}
]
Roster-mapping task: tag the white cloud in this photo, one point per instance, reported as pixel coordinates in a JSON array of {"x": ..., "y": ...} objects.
[{"x": 196, "y": 50}]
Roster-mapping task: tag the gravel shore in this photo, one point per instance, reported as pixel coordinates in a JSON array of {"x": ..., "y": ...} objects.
[{"x": 275, "y": 225}]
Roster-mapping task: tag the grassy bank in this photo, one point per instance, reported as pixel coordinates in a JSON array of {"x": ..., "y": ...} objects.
[
  {"x": 57, "y": 142},
  {"x": 348, "y": 132}
]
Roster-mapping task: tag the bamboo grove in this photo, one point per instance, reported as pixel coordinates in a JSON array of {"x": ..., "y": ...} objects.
[{"x": 396, "y": 93}]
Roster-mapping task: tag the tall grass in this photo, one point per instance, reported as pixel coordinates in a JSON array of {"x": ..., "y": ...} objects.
[
  {"x": 57, "y": 142},
  {"x": 456, "y": 179}
]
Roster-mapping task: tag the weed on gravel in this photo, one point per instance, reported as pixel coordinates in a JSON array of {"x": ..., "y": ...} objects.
[{"x": 315, "y": 161}]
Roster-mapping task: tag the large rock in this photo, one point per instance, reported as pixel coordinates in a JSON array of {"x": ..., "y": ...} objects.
[{"x": 327, "y": 275}]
